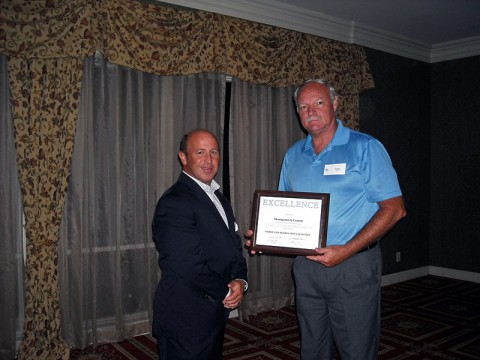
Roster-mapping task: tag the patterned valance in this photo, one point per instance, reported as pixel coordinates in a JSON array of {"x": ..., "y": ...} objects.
[{"x": 172, "y": 41}]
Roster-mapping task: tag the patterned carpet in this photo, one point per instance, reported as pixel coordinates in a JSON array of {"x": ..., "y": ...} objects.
[{"x": 425, "y": 318}]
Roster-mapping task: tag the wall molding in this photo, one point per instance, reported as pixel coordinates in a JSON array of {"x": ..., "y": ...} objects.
[
  {"x": 272, "y": 12},
  {"x": 455, "y": 49}
]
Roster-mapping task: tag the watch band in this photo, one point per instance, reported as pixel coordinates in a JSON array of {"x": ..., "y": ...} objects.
[{"x": 245, "y": 284}]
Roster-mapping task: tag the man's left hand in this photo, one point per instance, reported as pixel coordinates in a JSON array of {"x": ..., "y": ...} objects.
[
  {"x": 234, "y": 299},
  {"x": 330, "y": 255}
]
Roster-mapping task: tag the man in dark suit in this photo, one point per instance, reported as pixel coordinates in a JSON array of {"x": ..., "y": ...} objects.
[{"x": 204, "y": 273}]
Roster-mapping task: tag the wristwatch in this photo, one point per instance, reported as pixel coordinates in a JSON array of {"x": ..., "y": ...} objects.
[{"x": 245, "y": 284}]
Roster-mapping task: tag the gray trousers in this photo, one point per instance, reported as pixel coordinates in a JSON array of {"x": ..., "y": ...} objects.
[{"x": 339, "y": 305}]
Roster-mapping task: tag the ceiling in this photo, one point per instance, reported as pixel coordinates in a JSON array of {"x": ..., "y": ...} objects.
[
  {"x": 427, "y": 21},
  {"x": 426, "y": 30}
]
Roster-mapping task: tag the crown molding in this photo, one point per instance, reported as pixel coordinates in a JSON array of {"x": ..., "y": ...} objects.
[
  {"x": 391, "y": 43},
  {"x": 291, "y": 17},
  {"x": 457, "y": 49}
]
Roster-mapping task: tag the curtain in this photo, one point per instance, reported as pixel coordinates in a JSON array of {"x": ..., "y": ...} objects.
[
  {"x": 263, "y": 124},
  {"x": 129, "y": 128},
  {"x": 47, "y": 42},
  {"x": 11, "y": 245},
  {"x": 45, "y": 94}
]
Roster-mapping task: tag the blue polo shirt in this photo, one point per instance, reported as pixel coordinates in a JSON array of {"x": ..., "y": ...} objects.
[{"x": 354, "y": 169}]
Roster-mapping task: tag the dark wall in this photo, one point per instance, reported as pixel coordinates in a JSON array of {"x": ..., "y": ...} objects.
[
  {"x": 428, "y": 118},
  {"x": 397, "y": 112},
  {"x": 455, "y": 165}
]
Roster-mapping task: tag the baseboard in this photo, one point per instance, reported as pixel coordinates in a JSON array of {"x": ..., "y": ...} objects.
[
  {"x": 455, "y": 274},
  {"x": 430, "y": 270},
  {"x": 404, "y": 276}
]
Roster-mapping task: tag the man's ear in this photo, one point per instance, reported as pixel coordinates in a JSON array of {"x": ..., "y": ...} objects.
[
  {"x": 335, "y": 103},
  {"x": 182, "y": 157}
]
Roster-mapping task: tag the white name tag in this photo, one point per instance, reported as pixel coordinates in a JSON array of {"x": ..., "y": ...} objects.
[{"x": 335, "y": 169}]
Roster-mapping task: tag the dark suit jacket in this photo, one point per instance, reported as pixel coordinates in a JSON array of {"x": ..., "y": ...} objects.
[{"x": 198, "y": 256}]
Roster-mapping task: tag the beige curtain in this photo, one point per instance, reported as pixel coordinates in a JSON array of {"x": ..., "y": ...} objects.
[{"x": 128, "y": 131}]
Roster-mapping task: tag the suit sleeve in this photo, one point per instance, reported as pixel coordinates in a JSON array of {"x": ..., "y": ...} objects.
[{"x": 239, "y": 264}]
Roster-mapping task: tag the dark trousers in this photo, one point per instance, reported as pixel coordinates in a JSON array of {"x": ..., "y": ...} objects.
[
  {"x": 339, "y": 305},
  {"x": 192, "y": 348}
]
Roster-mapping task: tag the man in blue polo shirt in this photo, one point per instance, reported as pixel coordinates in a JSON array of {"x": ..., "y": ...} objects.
[{"x": 338, "y": 290}]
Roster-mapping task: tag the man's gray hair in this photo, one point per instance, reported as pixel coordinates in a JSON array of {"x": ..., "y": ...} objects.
[{"x": 331, "y": 89}]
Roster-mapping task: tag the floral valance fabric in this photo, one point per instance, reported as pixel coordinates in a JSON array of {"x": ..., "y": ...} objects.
[{"x": 172, "y": 41}]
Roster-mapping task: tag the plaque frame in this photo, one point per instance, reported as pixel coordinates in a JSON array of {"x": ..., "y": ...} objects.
[{"x": 262, "y": 220}]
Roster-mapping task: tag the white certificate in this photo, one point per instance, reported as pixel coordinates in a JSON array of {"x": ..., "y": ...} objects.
[{"x": 292, "y": 223}]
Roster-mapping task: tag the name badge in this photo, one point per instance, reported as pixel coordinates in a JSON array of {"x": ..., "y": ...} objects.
[{"x": 335, "y": 169}]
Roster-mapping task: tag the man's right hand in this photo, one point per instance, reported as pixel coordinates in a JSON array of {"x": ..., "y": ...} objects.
[{"x": 248, "y": 243}]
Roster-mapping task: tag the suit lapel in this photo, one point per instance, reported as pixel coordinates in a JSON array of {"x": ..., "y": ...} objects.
[{"x": 228, "y": 211}]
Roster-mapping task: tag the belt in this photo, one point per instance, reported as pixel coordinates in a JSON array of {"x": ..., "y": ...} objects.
[{"x": 371, "y": 246}]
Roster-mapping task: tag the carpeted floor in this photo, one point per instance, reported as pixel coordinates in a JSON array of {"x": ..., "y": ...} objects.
[{"x": 425, "y": 318}]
